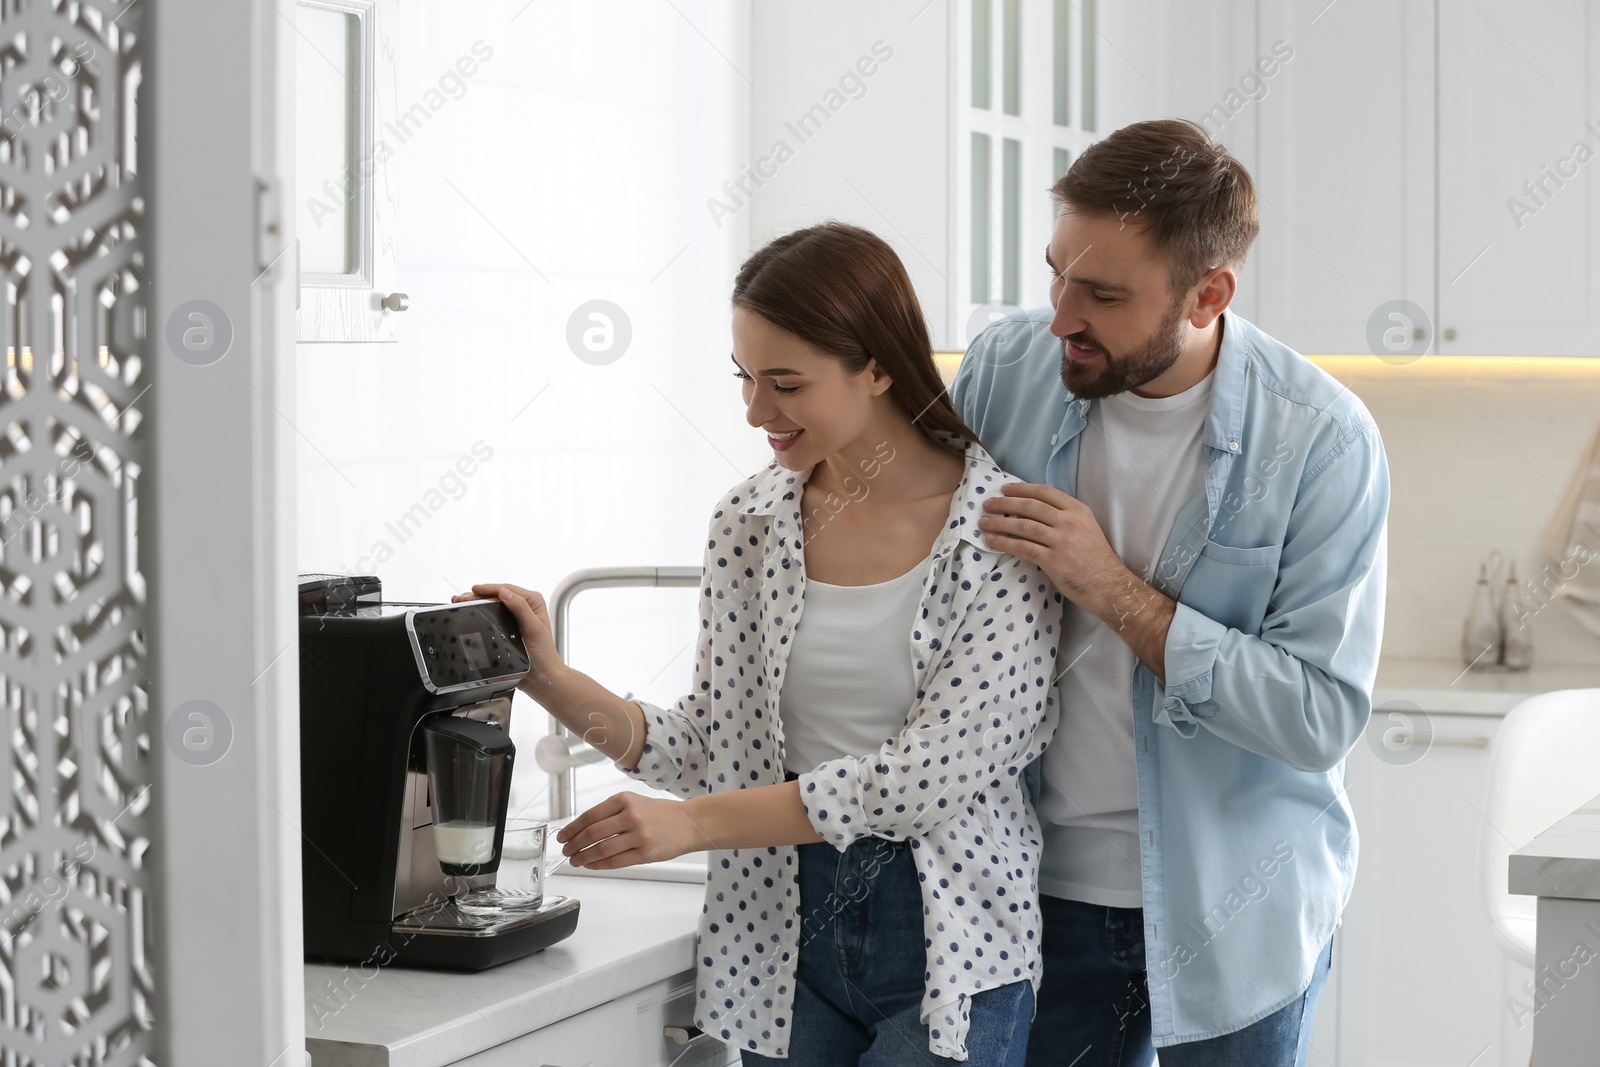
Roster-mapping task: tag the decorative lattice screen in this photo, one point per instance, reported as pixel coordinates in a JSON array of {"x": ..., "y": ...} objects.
[{"x": 75, "y": 811}]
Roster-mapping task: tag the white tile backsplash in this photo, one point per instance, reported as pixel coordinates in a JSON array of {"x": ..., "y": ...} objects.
[{"x": 1478, "y": 461}]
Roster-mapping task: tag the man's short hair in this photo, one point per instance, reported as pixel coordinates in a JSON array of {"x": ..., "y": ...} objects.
[{"x": 1169, "y": 177}]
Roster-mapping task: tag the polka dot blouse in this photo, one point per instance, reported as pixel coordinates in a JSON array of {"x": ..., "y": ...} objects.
[{"x": 983, "y": 649}]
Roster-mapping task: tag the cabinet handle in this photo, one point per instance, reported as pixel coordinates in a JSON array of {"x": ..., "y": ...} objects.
[
  {"x": 397, "y": 301},
  {"x": 1449, "y": 333},
  {"x": 1402, "y": 740},
  {"x": 682, "y": 1035}
]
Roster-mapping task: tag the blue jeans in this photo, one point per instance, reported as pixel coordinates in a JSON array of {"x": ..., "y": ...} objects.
[
  {"x": 1094, "y": 1010},
  {"x": 859, "y": 985}
]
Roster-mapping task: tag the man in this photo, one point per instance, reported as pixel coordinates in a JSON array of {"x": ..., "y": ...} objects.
[{"x": 1213, "y": 506}]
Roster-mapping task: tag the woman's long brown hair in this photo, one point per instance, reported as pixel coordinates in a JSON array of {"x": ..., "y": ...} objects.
[{"x": 843, "y": 290}]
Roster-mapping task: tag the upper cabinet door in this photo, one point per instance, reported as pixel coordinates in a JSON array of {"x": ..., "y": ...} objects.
[
  {"x": 1519, "y": 133},
  {"x": 345, "y": 130},
  {"x": 1345, "y": 174},
  {"x": 1211, "y": 67}
]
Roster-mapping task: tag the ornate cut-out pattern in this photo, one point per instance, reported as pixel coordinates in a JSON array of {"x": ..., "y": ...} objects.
[{"x": 75, "y": 813}]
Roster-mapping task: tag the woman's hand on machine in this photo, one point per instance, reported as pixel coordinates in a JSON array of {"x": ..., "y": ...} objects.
[
  {"x": 629, "y": 829},
  {"x": 614, "y": 725},
  {"x": 533, "y": 619}
]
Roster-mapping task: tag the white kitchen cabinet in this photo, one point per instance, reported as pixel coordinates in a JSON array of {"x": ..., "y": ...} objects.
[
  {"x": 1420, "y": 980},
  {"x": 1344, "y": 180},
  {"x": 346, "y": 129},
  {"x": 1204, "y": 62},
  {"x": 1395, "y": 148},
  {"x": 1518, "y": 248},
  {"x": 628, "y": 1030}
]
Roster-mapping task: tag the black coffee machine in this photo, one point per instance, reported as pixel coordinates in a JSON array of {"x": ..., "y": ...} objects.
[{"x": 383, "y": 686}]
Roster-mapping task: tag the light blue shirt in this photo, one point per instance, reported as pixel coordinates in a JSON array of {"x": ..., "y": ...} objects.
[{"x": 1247, "y": 840}]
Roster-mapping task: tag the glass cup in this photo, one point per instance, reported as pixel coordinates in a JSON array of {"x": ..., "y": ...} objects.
[
  {"x": 522, "y": 859},
  {"x": 519, "y": 881}
]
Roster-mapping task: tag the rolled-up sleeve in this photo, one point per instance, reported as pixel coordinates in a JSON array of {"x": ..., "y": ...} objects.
[
  {"x": 986, "y": 712},
  {"x": 674, "y": 756},
  {"x": 1300, "y": 690}
]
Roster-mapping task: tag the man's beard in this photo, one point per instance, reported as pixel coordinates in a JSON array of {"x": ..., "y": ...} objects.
[{"x": 1112, "y": 374}]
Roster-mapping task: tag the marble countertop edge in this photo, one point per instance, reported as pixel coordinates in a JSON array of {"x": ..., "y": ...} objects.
[
  {"x": 1564, "y": 861},
  {"x": 1443, "y": 685}
]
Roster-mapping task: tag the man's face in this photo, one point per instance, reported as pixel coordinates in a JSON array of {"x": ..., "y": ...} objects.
[{"x": 1119, "y": 324}]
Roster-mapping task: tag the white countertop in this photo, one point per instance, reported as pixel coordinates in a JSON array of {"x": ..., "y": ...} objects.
[
  {"x": 1564, "y": 861},
  {"x": 1444, "y": 685},
  {"x": 630, "y": 934}
]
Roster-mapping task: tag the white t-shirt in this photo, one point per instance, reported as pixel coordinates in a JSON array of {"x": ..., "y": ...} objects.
[
  {"x": 850, "y": 684},
  {"x": 1139, "y": 462}
]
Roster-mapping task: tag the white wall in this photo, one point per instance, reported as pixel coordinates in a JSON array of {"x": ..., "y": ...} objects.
[
  {"x": 882, "y": 160},
  {"x": 575, "y": 165}
]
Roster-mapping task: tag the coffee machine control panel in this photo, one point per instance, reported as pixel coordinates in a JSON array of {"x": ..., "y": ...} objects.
[{"x": 459, "y": 646}]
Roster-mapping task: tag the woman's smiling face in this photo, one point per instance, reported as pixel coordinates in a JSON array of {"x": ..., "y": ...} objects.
[{"x": 807, "y": 402}]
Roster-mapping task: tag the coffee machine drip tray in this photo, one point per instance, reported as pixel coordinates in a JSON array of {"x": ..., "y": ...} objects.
[
  {"x": 447, "y": 919},
  {"x": 439, "y": 935}
]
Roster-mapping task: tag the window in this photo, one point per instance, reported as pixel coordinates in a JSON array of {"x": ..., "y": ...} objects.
[{"x": 1033, "y": 102}]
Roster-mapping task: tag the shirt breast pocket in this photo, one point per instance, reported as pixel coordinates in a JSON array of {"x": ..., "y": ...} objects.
[{"x": 1232, "y": 585}]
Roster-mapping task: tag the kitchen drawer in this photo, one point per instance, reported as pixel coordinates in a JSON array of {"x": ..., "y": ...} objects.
[{"x": 625, "y": 1032}]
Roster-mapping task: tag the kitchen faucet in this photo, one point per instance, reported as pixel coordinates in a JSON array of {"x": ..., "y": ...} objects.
[{"x": 562, "y": 752}]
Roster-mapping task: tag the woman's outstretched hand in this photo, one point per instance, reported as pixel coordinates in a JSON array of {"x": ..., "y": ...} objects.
[
  {"x": 614, "y": 725},
  {"x": 533, "y": 619},
  {"x": 629, "y": 829}
]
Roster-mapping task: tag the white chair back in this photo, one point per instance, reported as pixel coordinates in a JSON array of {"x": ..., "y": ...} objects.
[{"x": 1544, "y": 763}]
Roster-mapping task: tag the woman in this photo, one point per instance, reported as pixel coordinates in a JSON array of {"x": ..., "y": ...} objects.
[{"x": 871, "y": 680}]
